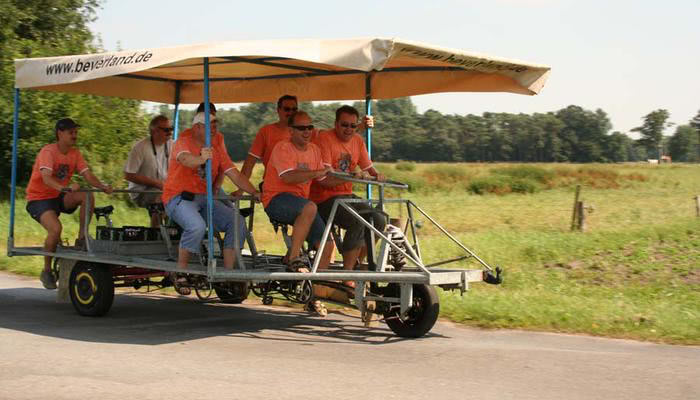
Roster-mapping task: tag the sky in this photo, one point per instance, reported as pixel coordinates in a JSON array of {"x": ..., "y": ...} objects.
[{"x": 628, "y": 58}]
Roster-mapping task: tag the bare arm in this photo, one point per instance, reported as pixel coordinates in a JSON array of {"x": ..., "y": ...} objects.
[
  {"x": 52, "y": 182},
  {"x": 189, "y": 160},
  {"x": 242, "y": 182},
  {"x": 299, "y": 176},
  {"x": 248, "y": 166},
  {"x": 95, "y": 182},
  {"x": 143, "y": 180}
]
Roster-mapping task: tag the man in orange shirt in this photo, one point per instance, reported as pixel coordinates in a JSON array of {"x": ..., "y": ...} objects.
[
  {"x": 344, "y": 150},
  {"x": 50, "y": 192},
  {"x": 293, "y": 165},
  {"x": 184, "y": 193}
]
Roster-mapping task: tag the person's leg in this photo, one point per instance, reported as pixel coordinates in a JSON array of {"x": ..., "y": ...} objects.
[
  {"x": 73, "y": 200},
  {"x": 354, "y": 230},
  {"x": 314, "y": 237},
  {"x": 49, "y": 221},
  {"x": 223, "y": 217},
  {"x": 296, "y": 211},
  {"x": 186, "y": 214}
]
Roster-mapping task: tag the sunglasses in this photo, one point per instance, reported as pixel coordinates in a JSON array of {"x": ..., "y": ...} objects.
[
  {"x": 348, "y": 125},
  {"x": 165, "y": 129},
  {"x": 289, "y": 109},
  {"x": 303, "y": 127}
]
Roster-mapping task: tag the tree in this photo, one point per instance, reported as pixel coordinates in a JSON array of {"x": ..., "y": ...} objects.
[
  {"x": 652, "y": 131},
  {"x": 683, "y": 144},
  {"x": 695, "y": 123},
  {"x": 36, "y": 28}
]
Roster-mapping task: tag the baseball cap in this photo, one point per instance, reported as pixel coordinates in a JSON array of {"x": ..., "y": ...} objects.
[
  {"x": 65, "y": 124},
  {"x": 199, "y": 118}
]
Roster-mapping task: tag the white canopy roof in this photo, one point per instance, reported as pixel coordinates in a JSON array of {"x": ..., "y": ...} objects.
[{"x": 261, "y": 71}]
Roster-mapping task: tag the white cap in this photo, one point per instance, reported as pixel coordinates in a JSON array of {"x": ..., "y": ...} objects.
[{"x": 199, "y": 118}]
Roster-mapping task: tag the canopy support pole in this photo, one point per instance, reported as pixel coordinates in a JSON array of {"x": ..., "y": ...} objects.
[
  {"x": 211, "y": 264},
  {"x": 176, "y": 116},
  {"x": 368, "y": 131},
  {"x": 13, "y": 185}
]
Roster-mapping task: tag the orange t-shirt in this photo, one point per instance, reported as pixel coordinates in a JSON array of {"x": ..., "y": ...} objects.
[
  {"x": 342, "y": 157},
  {"x": 287, "y": 157},
  {"x": 62, "y": 167},
  {"x": 193, "y": 180},
  {"x": 266, "y": 139}
]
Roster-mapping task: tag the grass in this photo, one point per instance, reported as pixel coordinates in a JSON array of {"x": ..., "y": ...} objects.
[{"x": 634, "y": 274}]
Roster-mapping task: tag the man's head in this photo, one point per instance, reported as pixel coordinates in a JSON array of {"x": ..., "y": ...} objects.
[
  {"x": 67, "y": 131},
  {"x": 161, "y": 129},
  {"x": 286, "y": 107},
  {"x": 346, "y": 122},
  {"x": 199, "y": 127},
  {"x": 302, "y": 128},
  {"x": 200, "y": 108}
]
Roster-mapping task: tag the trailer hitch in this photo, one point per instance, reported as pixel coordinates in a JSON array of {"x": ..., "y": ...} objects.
[{"x": 497, "y": 279}]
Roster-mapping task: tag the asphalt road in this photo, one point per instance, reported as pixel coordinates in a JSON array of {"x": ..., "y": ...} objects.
[{"x": 157, "y": 347}]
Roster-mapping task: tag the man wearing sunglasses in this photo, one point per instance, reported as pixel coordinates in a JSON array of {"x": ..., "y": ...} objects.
[
  {"x": 146, "y": 167},
  {"x": 269, "y": 135},
  {"x": 293, "y": 165},
  {"x": 343, "y": 149}
]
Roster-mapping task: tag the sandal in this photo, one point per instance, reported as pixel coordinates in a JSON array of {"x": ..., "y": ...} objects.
[
  {"x": 298, "y": 265},
  {"x": 180, "y": 283},
  {"x": 316, "y": 307}
]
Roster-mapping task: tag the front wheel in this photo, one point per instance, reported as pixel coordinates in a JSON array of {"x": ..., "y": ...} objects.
[
  {"x": 91, "y": 288},
  {"x": 420, "y": 317},
  {"x": 232, "y": 292}
]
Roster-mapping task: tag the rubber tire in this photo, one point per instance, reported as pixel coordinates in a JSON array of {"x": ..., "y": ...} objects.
[
  {"x": 232, "y": 296},
  {"x": 91, "y": 288},
  {"x": 421, "y": 317}
]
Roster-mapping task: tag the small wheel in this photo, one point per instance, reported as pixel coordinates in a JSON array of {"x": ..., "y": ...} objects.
[
  {"x": 203, "y": 290},
  {"x": 267, "y": 300},
  {"x": 91, "y": 289},
  {"x": 420, "y": 318},
  {"x": 232, "y": 292}
]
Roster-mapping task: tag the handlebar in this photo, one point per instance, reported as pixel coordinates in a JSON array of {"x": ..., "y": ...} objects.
[{"x": 350, "y": 178}]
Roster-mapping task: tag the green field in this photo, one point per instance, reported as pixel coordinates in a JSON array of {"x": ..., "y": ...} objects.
[{"x": 635, "y": 273}]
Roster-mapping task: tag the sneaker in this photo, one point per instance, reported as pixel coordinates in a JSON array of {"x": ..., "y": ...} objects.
[{"x": 48, "y": 279}]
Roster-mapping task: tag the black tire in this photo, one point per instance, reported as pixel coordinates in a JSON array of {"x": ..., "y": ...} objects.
[
  {"x": 232, "y": 292},
  {"x": 91, "y": 288},
  {"x": 421, "y": 317}
]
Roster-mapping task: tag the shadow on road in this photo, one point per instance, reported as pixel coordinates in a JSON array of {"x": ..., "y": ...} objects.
[{"x": 147, "y": 319}]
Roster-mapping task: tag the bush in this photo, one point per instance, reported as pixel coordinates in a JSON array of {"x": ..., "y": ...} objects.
[
  {"x": 527, "y": 172},
  {"x": 490, "y": 184},
  {"x": 405, "y": 166}
]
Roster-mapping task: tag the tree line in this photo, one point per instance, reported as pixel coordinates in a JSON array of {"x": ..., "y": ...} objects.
[
  {"x": 30, "y": 28},
  {"x": 572, "y": 134}
]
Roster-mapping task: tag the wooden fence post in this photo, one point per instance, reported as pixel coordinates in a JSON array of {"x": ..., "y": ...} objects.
[
  {"x": 697, "y": 206},
  {"x": 575, "y": 212},
  {"x": 581, "y": 211}
]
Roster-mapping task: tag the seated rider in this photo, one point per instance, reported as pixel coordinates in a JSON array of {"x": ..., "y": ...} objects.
[
  {"x": 50, "y": 193},
  {"x": 147, "y": 166},
  {"x": 293, "y": 164},
  {"x": 184, "y": 193},
  {"x": 343, "y": 149}
]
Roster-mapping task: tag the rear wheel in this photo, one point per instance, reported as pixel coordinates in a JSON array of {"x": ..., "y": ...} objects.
[
  {"x": 420, "y": 317},
  {"x": 232, "y": 292},
  {"x": 91, "y": 288}
]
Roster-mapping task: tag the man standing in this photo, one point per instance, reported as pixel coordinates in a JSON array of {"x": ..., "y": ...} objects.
[
  {"x": 343, "y": 150},
  {"x": 269, "y": 135},
  {"x": 50, "y": 192},
  {"x": 147, "y": 166}
]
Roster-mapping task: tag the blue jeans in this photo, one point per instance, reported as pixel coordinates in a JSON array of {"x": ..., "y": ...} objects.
[
  {"x": 286, "y": 207},
  {"x": 192, "y": 217}
]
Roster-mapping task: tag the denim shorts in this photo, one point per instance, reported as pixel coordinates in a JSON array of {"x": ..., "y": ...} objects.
[
  {"x": 286, "y": 207},
  {"x": 36, "y": 208},
  {"x": 192, "y": 217}
]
